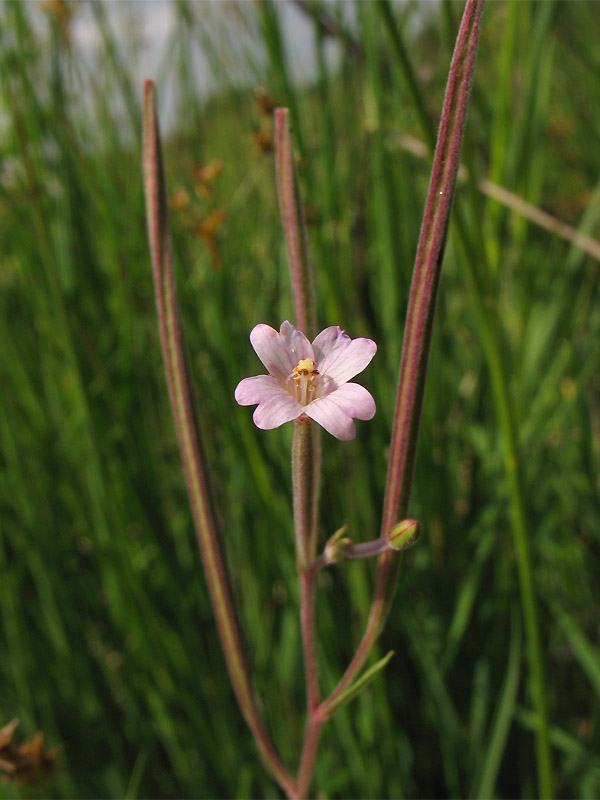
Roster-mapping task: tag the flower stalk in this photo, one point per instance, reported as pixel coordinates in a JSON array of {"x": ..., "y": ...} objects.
[
  {"x": 306, "y": 447},
  {"x": 190, "y": 442},
  {"x": 303, "y": 490},
  {"x": 340, "y": 548},
  {"x": 305, "y": 524}
]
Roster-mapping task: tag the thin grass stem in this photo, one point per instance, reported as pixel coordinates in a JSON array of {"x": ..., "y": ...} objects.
[{"x": 490, "y": 337}]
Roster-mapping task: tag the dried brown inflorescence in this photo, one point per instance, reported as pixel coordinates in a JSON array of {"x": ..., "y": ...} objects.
[{"x": 28, "y": 761}]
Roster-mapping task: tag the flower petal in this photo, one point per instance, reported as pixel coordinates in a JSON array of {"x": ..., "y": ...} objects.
[
  {"x": 340, "y": 357},
  {"x": 280, "y": 352},
  {"x": 354, "y": 400},
  {"x": 274, "y": 411},
  {"x": 328, "y": 339},
  {"x": 335, "y": 411},
  {"x": 327, "y": 413},
  {"x": 296, "y": 341},
  {"x": 254, "y": 390}
]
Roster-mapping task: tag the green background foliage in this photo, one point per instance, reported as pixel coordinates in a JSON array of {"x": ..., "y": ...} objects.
[{"x": 107, "y": 641}]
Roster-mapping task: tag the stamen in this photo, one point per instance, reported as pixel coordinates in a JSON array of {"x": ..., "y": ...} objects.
[
  {"x": 305, "y": 377},
  {"x": 306, "y": 366}
]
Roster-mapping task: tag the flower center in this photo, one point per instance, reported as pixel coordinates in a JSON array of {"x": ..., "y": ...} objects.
[{"x": 305, "y": 380}]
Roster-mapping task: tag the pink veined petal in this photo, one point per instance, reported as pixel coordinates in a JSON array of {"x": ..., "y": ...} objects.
[
  {"x": 296, "y": 342},
  {"x": 346, "y": 359},
  {"x": 256, "y": 389},
  {"x": 328, "y": 414},
  {"x": 274, "y": 411},
  {"x": 270, "y": 348},
  {"x": 336, "y": 410},
  {"x": 329, "y": 340},
  {"x": 278, "y": 351},
  {"x": 353, "y": 399}
]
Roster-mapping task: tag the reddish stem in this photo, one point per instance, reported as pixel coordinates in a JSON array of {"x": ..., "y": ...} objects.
[
  {"x": 305, "y": 522},
  {"x": 309, "y": 754},
  {"x": 190, "y": 443},
  {"x": 306, "y": 447},
  {"x": 419, "y": 323},
  {"x": 294, "y": 227}
]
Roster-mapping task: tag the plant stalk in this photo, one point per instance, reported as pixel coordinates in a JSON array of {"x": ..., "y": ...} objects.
[
  {"x": 305, "y": 523},
  {"x": 419, "y": 324},
  {"x": 306, "y": 446},
  {"x": 190, "y": 443},
  {"x": 491, "y": 338},
  {"x": 303, "y": 490},
  {"x": 294, "y": 227}
]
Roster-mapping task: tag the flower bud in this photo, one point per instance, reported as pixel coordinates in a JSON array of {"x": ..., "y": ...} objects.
[
  {"x": 337, "y": 545},
  {"x": 404, "y": 534}
]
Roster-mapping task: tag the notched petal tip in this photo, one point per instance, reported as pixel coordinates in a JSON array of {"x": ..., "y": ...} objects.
[
  {"x": 269, "y": 346},
  {"x": 343, "y": 430},
  {"x": 256, "y": 389},
  {"x": 281, "y": 350},
  {"x": 329, "y": 416},
  {"x": 356, "y": 401},
  {"x": 297, "y": 345},
  {"x": 275, "y": 411},
  {"x": 340, "y": 357},
  {"x": 335, "y": 412}
]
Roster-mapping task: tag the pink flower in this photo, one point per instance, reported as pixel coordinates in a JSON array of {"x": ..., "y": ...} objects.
[{"x": 309, "y": 379}]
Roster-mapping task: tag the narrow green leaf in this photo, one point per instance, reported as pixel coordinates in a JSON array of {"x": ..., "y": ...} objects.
[
  {"x": 353, "y": 691},
  {"x": 488, "y": 773},
  {"x": 586, "y": 654}
]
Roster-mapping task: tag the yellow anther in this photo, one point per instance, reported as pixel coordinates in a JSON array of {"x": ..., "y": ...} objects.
[
  {"x": 304, "y": 377},
  {"x": 307, "y": 366}
]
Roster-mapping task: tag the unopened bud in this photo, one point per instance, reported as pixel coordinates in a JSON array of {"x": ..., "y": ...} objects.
[
  {"x": 337, "y": 545},
  {"x": 404, "y": 534}
]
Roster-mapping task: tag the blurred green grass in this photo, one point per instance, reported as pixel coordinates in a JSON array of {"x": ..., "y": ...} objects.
[{"x": 107, "y": 641}]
